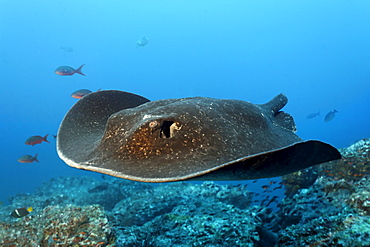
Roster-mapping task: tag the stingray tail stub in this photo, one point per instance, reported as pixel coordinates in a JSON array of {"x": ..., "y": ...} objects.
[
  {"x": 278, "y": 102},
  {"x": 281, "y": 118}
]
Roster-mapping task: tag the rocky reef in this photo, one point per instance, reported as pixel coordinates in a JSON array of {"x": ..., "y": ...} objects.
[
  {"x": 354, "y": 165},
  {"x": 327, "y": 205},
  {"x": 67, "y": 225},
  {"x": 330, "y": 213},
  {"x": 179, "y": 213},
  {"x": 132, "y": 214}
]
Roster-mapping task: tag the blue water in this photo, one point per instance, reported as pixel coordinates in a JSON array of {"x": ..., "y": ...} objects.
[{"x": 316, "y": 52}]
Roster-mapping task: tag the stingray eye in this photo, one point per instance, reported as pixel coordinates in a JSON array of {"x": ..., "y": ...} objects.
[{"x": 153, "y": 124}]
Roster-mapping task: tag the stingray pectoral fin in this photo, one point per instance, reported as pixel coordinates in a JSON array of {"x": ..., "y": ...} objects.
[
  {"x": 276, "y": 162},
  {"x": 85, "y": 122}
]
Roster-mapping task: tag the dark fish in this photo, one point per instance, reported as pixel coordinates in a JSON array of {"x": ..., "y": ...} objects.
[
  {"x": 21, "y": 212},
  {"x": 330, "y": 116},
  {"x": 66, "y": 70},
  {"x": 28, "y": 158},
  {"x": 80, "y": 93},
  {"x": 264, "y": 200},
  {"x": 55, "y": 137},
  {"x": 278, "y": 187},
  {"x": 273, "y": 199},
  {"x": 125, "y": 135},
  {"x": 312, "y": 115},
  {"x": 33, "y": 140}
]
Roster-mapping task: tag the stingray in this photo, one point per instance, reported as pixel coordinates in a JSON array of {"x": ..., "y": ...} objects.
[{"x": 198, "y": 138}]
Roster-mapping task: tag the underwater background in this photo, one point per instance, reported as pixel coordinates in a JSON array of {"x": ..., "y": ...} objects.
[{"x": 315, "y": 52}]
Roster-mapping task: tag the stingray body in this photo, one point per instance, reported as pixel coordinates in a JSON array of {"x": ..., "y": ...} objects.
[{"x": 125, "y": 135}]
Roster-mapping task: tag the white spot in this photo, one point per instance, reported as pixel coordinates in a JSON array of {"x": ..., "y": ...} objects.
[{"x": 151, "y": 116}]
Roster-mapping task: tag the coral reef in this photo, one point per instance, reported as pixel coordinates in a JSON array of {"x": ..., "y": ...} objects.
[
  {"x": 144, "y": 205},
  {"x": 340, "y": 230},
  {"x": 198, "y": 215},
  {"x": 67, "y": 225},
  {"x": 80, "y": 191},
  {"x": 299, "y": 180},
  {"x": 138, "y": 213},
  {"x": 354, "y": 165},
  {"x": 307, "y": 205},
  {"x": 195, "y": 225},
  {"x": 330, "y": 213},
  {"x": 360, "y": 198}
]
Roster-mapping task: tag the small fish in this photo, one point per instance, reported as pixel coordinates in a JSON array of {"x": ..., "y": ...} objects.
[
  {"x": 263, "y": 201},
  {"x": 312, "y": 115},
  {"x": 28, "y": 158},
  {"x": 55, "y": 137},
  {"x": 273, "y": 199},
  {"x": 330, "y": 116},
  {"x": 21, "y": 212},
  {"x": 278, "y": 187},
  {"x": 66, "y": 70},
  {"x": 265, "y": 186},
  {"x": 80, "y": 93},
  {"x": 33, "y": 140},
  {"x": 67, "y": 48},
  {"x": 143, "y": 41}
]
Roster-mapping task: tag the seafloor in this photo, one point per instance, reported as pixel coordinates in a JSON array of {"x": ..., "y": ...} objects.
[{"x": 326, "y": 205}]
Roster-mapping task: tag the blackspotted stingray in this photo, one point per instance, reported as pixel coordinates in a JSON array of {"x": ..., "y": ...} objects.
[{"x": 127, "y": 136}]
